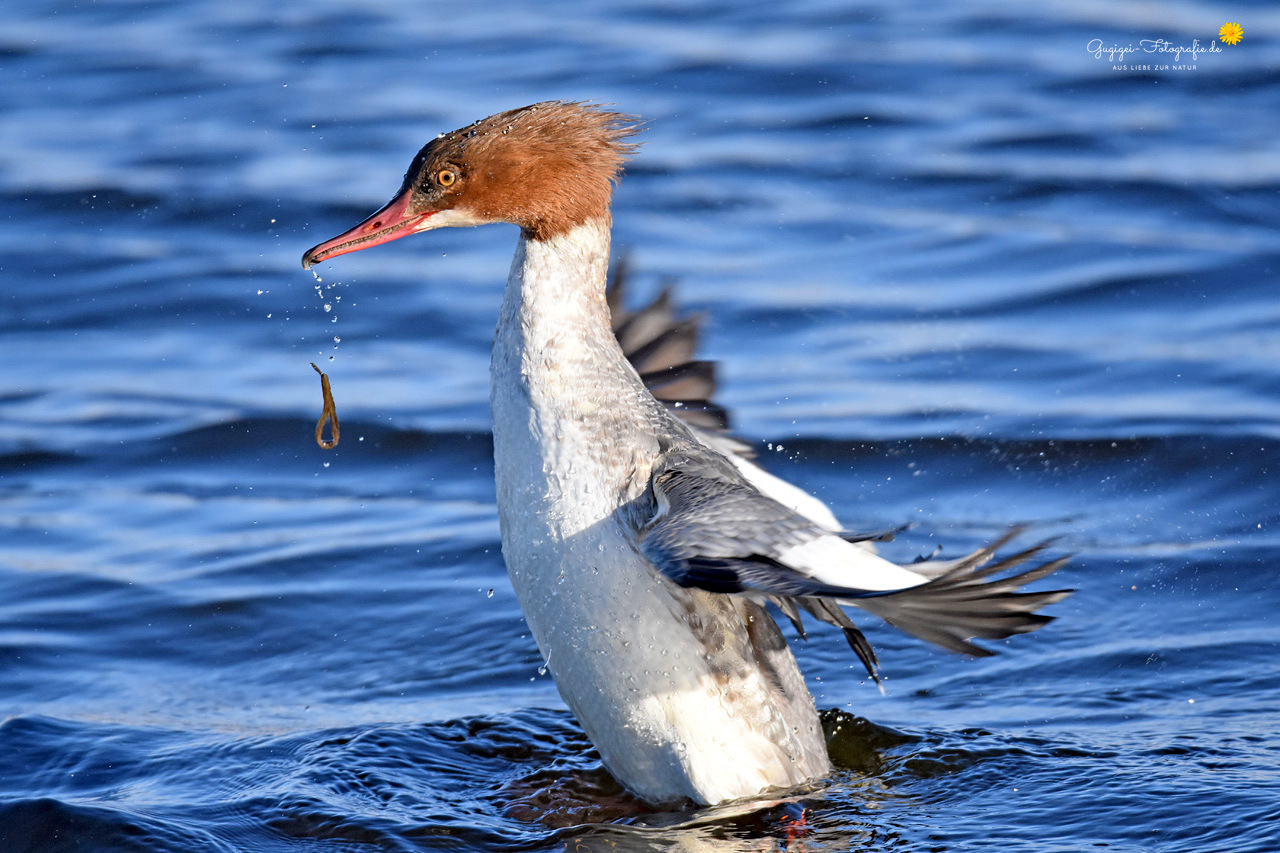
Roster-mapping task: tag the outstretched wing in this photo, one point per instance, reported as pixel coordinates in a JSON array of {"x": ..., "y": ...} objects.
[
  {"x": 715, "y": 531},
  {"x": 661, "y": 345}
]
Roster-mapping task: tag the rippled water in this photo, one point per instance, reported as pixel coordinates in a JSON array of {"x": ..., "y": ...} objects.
[{"x": 958, "y": 271}]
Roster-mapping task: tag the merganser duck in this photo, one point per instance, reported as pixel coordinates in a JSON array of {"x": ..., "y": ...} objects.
[{"x": 643, "y": 549}]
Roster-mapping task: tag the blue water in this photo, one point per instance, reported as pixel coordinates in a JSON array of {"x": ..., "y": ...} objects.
[{"x": 958, "y": 272}]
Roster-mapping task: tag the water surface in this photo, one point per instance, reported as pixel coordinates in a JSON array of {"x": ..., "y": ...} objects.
[{"x": 958, "y": 273}]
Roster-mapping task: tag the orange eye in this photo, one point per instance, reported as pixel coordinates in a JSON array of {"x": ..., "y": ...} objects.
[{"x": 446, "y": 177}]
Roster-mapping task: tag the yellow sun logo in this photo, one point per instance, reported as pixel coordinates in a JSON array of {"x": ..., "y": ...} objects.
[{"x": 1231, "y": 33}]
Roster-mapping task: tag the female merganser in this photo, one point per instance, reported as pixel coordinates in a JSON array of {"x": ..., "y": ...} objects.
[{"x": 644, "y": 549}]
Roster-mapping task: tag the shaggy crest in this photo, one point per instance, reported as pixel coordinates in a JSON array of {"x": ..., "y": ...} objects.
[{"x": 546, "y": 167}]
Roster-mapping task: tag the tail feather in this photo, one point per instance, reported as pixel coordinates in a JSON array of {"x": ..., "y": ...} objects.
[
  {"x": 933, "y": 568},
  {"x": 971, "y": 601}
]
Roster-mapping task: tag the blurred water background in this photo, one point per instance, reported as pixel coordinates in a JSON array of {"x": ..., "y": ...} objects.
[{"x": 959, "y": 271}]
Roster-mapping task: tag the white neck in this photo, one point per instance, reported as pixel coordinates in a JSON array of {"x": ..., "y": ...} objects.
[
  {"x": 556, "y": 286},
  {"x": 566, "y": 402},
  {"x": 575, "y": 438}
]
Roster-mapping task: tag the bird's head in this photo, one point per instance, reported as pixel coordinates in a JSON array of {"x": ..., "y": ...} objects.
[{"x": 547, "y": 168}]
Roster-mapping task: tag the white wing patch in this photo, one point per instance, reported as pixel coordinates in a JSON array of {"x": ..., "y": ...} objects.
[
  {"x": 832, "y": 560},
  {"x": 792, "y": 497}
]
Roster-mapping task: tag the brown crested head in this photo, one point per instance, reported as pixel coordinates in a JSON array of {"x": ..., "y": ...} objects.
[{"x": 547, "y": 167}]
